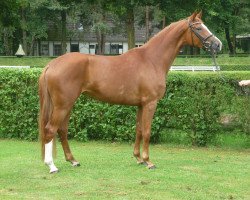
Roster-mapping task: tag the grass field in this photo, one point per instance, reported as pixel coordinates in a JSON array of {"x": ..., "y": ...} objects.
[
  {"x": 222, "y": 59},
  {"x": 108, "y": 171}
]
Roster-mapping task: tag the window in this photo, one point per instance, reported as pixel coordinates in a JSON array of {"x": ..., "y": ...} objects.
[
  {"x": 92, "y": 49},
  {"x": 74, "y": 47},
  {"x": 138, "y": 45},
  {"x": 57, "y": 49},
  {"x": 91, "y": 46},
  {"x": 44, "y": 49},
  {"x": 116, "y": 48}
]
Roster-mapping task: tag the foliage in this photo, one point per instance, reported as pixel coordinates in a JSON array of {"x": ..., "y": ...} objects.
[
  {"x": 28, "y": 21},
  {"x": 235, "y": 67},
  {"x": 196, "y": 105},
  {"x": 19, "y": 103}
]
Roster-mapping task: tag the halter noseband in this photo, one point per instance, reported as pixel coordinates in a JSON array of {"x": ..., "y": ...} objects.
[{"x": 204, "y": 41}]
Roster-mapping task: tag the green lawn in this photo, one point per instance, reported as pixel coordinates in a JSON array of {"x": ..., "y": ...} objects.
[
  {"x": 221, "y": 60},
  {"x": 108, "y": 171},
  {"x": 25, "y": 61}
]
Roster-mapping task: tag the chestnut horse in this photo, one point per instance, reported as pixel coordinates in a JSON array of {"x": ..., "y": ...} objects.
[{"x": 135, "y": 78}]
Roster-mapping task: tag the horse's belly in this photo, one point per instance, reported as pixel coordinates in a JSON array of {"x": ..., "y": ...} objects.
[{"x": 116, "y": 98}]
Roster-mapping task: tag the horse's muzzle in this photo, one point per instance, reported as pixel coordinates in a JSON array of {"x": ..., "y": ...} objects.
[{"x": 216, "y": 45}]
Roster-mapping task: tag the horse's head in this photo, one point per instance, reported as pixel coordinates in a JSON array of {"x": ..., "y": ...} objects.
[{"x": 199, "y": 35}]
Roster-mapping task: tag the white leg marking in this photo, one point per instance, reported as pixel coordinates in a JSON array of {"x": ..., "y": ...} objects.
[
  {"x": 75, "y": 163},
  {"x": 48, "y": 159}
]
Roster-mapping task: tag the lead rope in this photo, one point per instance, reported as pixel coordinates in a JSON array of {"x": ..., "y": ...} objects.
[
  {"x": 241, "y": 90},
  {"x": 213, "y": 55}
]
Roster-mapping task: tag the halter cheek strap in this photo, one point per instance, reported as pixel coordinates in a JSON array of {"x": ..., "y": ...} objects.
[{"x": 205, "y": 44}]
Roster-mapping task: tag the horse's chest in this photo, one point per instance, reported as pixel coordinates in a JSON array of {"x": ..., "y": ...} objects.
[{"x": 154, "y": 90}]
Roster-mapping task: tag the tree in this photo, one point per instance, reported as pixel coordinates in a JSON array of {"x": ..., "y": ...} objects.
[
  {"x": 22, "y": 22},
  {"x": 228, "y": 16},
  {"x": 8, "y": 23},
  {"x": 61, "y": 7},
  {"x": 125, "y": 12},
  {"x": 99, "y": 24}
]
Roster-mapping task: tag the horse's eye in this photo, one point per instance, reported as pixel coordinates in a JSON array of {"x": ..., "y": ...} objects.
[{"x": 198, "y": 28}]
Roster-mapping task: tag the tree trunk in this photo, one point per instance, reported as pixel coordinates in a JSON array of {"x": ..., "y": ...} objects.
[
  {"x": 24, "y": 32},
  {"x": 164, "y": 22},
  {"x": 101, "y": 36},
  {"x": 130, "y": 28},
  {"x": 229, "y": 42},
  {"x": 31, "y": 52},
  {"x": 197, "y": 51},
  {"x": 101, "y": 40},
  {"x": 7, "y": 42},
  {"x": 64, "y": 44},
  {"x": 39, "y": 47},
  {"x": 191, "y": 50},
  {"x": 147, "y": 23}
]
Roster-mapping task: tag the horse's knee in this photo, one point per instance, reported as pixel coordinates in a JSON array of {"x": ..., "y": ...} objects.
[
  {"x": 146, "y": 137},
  {"x": 49, "y": 134},
  {"x": 62, "y": 134}
]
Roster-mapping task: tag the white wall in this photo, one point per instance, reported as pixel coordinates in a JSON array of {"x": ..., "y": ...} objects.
[
  {"x": 125, "y": 47},
  {"x": 51, "y": 48},
  {"x": 67, "y": 47},
  {"x": 84, "y": 47}
]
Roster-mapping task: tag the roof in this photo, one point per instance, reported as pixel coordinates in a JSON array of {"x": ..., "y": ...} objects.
[{"x": 76, "y": 33}]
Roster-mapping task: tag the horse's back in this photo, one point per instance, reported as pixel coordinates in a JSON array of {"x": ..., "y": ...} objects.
[{"x": 124, "y": 79}]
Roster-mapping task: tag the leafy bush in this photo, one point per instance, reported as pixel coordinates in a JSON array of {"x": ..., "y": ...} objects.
[
  {"x": 18, "y": 103},
  {"x": 245, "y": 67},
  {"x": 194, "y": 103}
]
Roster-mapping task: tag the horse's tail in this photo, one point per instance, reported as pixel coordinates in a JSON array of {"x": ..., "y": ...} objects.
[{"x": 45, "y": 112}]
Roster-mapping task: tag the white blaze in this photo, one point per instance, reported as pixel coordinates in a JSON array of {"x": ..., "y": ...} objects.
[{"x": 205, "y": 27}]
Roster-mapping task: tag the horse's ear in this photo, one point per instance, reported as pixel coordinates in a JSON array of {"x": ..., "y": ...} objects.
[
  {"x": 192, "y": 17},
  {"x": 199, "y": 15}
]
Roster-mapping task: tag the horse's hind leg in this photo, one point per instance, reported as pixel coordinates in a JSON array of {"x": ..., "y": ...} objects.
[
  {"x": 58, "y": 115},
  {"x": 63, "y": 134}
]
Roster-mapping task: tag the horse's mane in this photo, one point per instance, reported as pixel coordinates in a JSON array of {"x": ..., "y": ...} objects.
[{"x": 166, "y": 30}]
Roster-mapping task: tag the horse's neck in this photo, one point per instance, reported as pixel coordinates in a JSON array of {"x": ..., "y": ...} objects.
[{"x": 163, "y": 48}]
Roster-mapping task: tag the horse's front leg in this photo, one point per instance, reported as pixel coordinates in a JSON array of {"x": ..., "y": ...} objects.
[
  {"x": 138, "y": 136},
  {"x": 148, "y": 111}
]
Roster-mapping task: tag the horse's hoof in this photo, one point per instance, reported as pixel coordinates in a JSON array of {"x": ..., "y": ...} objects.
[
  {"x": 152, "y": 167},
  {"x": 142, "y": 163},
  {"x": 54, "y": 171},
  {"x": 75, "y": 164}
]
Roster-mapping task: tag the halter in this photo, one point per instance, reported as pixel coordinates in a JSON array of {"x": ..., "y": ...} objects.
[
  {"x": 208, "y": 47},
  {"x": 204, "y": 41}
]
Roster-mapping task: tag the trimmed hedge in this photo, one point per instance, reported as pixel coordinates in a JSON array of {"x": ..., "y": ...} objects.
[
  {"x": 194, "y": 102},
  {"x": 235, "y": 67}
]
